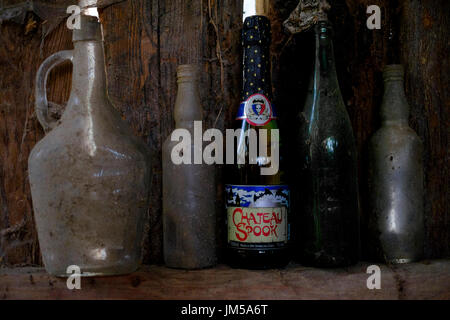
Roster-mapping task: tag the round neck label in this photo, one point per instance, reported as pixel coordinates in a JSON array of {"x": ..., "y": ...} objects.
[{"x": 257, "y": 110}]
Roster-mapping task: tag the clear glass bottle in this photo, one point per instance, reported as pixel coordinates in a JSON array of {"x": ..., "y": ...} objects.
[
  {"x": 89, "y": 175},
  {"x": 326, "y": 193}
]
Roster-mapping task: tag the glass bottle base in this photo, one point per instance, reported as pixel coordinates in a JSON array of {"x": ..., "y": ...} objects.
[{"x": 401, "y": 260}]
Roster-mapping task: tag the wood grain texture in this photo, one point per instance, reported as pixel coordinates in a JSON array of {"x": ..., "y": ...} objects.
[
  {"x": 20, "y": 57},
  {"x": 425, "y": 45},
  {"x": 145, "y": 40},
  {"x": 292, "y": 283}
]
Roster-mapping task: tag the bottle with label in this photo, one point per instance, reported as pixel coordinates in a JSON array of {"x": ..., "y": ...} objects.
[
  {"x": 189, "y": 212},
  {"x": 326, "y": 196},
  {"x": 257, "y": 202}
]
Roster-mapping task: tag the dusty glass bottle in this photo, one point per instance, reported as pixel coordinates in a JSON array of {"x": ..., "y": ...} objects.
[
  {"x": 189, "y": 189},
  {"x": 89, "y": 175},
  {"x": 396, "y": 222},
  {"x": 326, "y": 193}
]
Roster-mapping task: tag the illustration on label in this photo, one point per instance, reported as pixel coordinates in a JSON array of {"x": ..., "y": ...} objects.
[
  {"x": 257, "y": 214},
  {"x": 257, "y": 110}
]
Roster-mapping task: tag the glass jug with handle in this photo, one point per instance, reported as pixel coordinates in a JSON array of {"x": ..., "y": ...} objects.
[{"x": 89, "y": 175}]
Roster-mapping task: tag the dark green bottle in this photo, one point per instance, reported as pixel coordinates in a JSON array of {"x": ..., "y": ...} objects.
[
  {"x": 325, "y": 195},
  {"x": 257, "y": 205}
]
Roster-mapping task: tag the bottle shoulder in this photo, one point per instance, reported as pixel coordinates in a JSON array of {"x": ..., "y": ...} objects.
[
  {"x": 326, "y": 112},
  {"x": 395, "y": 134},
  {"x": 97, "y": 142},
  {"x": 317, "y": 130}
]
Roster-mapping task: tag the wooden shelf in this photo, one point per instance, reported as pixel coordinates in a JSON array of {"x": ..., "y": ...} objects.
[{"x": 424, "y": 280}]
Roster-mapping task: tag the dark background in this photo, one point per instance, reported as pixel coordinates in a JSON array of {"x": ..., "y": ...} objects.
[{"x": 145, "y": 40}]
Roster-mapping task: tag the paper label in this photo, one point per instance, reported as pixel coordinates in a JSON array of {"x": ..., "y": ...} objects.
[{"x": 257, "y": 214}]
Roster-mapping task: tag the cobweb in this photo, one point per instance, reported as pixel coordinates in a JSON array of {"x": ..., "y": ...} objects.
[{"x": 307, "y": 14}]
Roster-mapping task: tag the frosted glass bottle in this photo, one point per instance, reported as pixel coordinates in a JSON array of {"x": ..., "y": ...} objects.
[
  {"x": 189, "y": 190},
  {"x": 396, "y": 221}
]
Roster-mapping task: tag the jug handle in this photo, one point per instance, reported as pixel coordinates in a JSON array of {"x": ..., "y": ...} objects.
[{"x": 41, "y": 87}]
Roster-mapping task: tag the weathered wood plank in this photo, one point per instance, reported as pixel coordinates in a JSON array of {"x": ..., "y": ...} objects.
[
  {"x": 293, "y": 283},
  {"x": 19, "y": 130},
  {"x": 424, "y": 44}
]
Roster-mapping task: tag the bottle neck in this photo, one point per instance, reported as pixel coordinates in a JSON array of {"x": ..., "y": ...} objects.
[
  {"x": 187, "y": 105},
  {"x": 324, "y": 68},
  {"x": 89, "y": 76},
  {"x": 394, "y": 108},
  {"x": 256, "y": 39}
]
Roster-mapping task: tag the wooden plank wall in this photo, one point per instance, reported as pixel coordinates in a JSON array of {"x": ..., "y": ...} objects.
[{"x": 146, "y": 39}]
